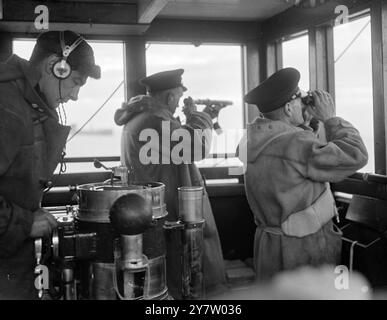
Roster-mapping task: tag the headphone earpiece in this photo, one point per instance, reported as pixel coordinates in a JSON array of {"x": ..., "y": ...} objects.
[{"x": 62, "y": 69}]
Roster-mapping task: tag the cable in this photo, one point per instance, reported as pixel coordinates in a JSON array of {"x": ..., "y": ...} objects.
[
  {"x": 60, "y": 116},
  {"x": 353, "y": 40},
  {"x": 64, "y": 114},
  {"x": 95, "y": 113},
  {"x": 61, "y": 102}
]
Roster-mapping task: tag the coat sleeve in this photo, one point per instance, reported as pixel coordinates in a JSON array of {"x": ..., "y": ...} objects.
[
  {"x": 342, "y": 155},
  {"x": 15, "y": 222}
]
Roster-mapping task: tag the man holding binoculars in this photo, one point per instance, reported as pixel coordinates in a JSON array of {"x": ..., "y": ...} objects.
[{"x": 288, "y": 170}]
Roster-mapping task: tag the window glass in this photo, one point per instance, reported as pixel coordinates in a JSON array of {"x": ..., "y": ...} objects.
[
  {"x": 295, "y": 53},
  {"x": 353, "y": 80},
  {"x": 210, "y": 72},
  {"x": 101, "y": 136}
]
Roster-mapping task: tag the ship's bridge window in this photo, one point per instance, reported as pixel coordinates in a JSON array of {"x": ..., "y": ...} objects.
[
  {"x": 353, "y": 80},
  {"x": 100, "y": 136},
  {"x": 295, "y": 53},
  {"x": 210, "y": 72}
]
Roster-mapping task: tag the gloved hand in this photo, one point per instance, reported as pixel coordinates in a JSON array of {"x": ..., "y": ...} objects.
[
  {"x": 43, "y": 225},
  {"x": 212, "y": 110},
  {"x": 189, "y": 107}
]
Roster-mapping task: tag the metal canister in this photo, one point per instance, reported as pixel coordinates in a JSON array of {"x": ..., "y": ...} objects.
[
  {"x": 157, "y": 190},
  {"x": 193, "y": 271},
  {"x": 190, "y": 204},
  {"x": 95, "y": 201},
  {"x": 155, "y": 250},
  {"x": 191, "y": 214}
]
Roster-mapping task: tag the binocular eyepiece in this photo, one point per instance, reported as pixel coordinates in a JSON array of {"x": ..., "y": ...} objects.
[{"x": 308, "y": 100}]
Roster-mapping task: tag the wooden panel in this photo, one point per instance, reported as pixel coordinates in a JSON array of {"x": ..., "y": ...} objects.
[
  {"x": 72, "y": 12},
  {"x": 353, "y": 186},
  {"x": 5, "y": 46},
  {"x": 106, "y": 30},
  {"x": 274, "y": 58},
  {"x": 271, "y": 61},
  {"x": 202, "y": 31},
  {"x": 216, "y": 173},
  {"x": 297, "y": 19},
  {"x": 135, "y": 66},
  {"x": 225, "y": 10},
  {"x": 252, "y": 76},
  {"x": 236, "y": 227},
  {"x": 321, "y": 59},
  {"x": 312, "y": 58},
  {"x": 379, "y": 81},
  {"x": 226, "y": 190},
  {"x": 330, "y": 61},
  {"x": 278, "y": 55},
  {"x": 369, "y": 212},
  {"x": 149, "y": 9}
]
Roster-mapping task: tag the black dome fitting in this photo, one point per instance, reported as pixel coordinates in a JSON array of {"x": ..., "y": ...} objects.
[{"x": 131, "y": 214}]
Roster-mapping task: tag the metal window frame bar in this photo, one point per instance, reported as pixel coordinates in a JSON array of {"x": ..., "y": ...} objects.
[{"x": 117, "y": 158}]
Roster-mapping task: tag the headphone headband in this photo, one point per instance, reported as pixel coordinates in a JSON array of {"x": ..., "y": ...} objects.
[
  {"x": 61, "y": 68},
  {"x": 66, "y": 50}
]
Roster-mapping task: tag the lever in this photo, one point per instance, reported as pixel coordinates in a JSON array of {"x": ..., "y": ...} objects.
[{"x": 98, "y": 164}]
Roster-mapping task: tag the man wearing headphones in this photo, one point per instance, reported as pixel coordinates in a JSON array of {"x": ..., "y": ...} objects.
[{"x": 31, "y": 145}]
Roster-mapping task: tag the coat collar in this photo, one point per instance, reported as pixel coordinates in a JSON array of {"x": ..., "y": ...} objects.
[{"x": 27, "y": 83}]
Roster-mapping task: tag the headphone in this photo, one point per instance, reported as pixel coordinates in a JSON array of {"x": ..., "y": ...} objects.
[{"x": 62, "y": 69}]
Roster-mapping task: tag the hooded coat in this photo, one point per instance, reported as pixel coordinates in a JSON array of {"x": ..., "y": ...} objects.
[
  {"x": 286, "y": 181},
  {"x": 144, "y": 112},
  {"x": 31, "y": 145}
]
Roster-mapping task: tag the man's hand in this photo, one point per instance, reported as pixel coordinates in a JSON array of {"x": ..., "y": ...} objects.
[
  {"x": 323, "y": 108},
  {"x": 43, "y": 224},
  {"x": 212, "y": 110},
  {"x": 189, "y": 107}
]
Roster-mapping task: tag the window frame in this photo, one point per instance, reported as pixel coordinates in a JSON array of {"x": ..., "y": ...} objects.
[
  {"x": 321, "y": 67},
  {"x": 243, "y": 84},
  {"x": 131, "y": 44}
]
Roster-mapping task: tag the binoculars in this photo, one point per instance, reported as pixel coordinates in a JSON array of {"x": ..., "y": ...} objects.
[{"x": 308, "y": 100}]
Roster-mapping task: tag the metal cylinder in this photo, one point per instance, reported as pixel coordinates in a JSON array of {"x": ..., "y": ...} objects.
[
  {"x": 131, "y": 250},
  {"x": 95, "y": 201},
  {"x": 193, "y": 284},
  {"x": 102, "y": 284},
  {"x": 69, "y": 288},
  {"x": 174, "y": 261},
  {"x": 155, "y": 250},
  {"x": 191, "y": 213},
  {"x": 157, "y": 190},
  {"x": 191, "y": 204}
]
